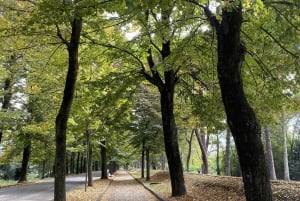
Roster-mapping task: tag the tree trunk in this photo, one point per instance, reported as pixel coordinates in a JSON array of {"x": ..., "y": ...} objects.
[
  {"x": 72, "y": 165},
  {"x": 81, "y": 163},
  {"x": 171, "y": 136},
  {"x": 166, "y": 90},
  {"x": 218, "y": 156},
  {"x": 43, "y": 169},
  {"x": 25, "y": 161},
  {"x": 7, "y": 90},
  {"x": 89, "y": 157},
  {"x": 285, "y": 152},
  {"x": 269, "y": 151},
  {"x": 143, "y": 163},
  {"x": 103, "y": 161},
  {"x": 202, "y": 144},
  {"x": 241, "y": 118},
  {"x": 227, "y": 154},
  {"x": 148, "y": 165},
  {"x": 189, "y": 141},
  {"x": 64, "y": 111},
  {"x": 77, "y": 163}
]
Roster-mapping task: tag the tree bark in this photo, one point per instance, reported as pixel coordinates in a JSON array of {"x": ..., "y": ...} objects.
[
  {"x": 171, "y": 136},
  {"x": 284, "y": 147},
  {"x": 269, "y": 151},
  {"x": 148, "y": 165},
  {"x": 189, "y": 141},
  {"x": 72, "y": 165},
  {"x": 82, "y": 164},
  {"x": 227, "y": 154},
  {"x": 43, "y": 169},
  {"x": 201, "y": 141},
  {"x": 6, "y": 100},
  {"x": 241, "y": 118},
  {"x": 218, "y": 156},
  {"x": 64, "y": 111},
  {"x": 103, "y": 161},
  {"x": 143, "y": 163},
  {"x": 25, "y": 162},
  {"x": 89, "y": 157}
]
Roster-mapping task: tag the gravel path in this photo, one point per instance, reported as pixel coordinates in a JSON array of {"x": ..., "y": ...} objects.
[{"x": 125, "y": 188}]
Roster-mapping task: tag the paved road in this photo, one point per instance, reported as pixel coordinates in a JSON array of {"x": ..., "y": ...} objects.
[{"x": 40, "y": 191}]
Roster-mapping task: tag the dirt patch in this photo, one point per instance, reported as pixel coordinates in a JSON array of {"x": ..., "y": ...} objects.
[{"x": 218, "y": 188}]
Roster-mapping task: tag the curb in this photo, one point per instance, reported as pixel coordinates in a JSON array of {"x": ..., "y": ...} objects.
[{"x": 147, "y": 188}]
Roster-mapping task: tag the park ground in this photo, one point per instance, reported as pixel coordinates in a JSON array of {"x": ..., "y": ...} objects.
[{"x": 199, "y": 187}]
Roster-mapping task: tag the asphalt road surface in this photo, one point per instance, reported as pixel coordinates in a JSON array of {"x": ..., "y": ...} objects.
[{"x": 42, "y": 190}]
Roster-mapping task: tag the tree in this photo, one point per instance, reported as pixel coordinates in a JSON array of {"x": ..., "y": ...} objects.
[
  {"x": 146, "y": 124},
  {"x": 241, "y": 118},
  {"x": 64, "y": 110},
  {"x": 161, "y": 71},
  {"x": 202, "y": 143},
  {"x": 189, "y": 141},
  {"x": 284, "y": 147},
  {"x": 270, "y": 154}
]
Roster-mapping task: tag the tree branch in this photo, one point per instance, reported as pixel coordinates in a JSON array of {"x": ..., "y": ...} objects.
[
  {"x": 260, "y": 63},
  {"x": 279, "y": 44},
  {"x": 282, "y": 3},
  {"x": 210, "y": 16},
  {"x": 289, "y": 22},
  {"x": 154, "y": 72},
  {"x": 59, "y": 35},
  {"x": 117, "y": 48}
]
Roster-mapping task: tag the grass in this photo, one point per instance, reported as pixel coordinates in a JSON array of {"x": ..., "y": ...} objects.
[{"x": 4, "y": 183}]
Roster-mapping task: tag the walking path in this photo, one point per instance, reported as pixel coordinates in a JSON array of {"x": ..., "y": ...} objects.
[{"x": 125, "y": 188}]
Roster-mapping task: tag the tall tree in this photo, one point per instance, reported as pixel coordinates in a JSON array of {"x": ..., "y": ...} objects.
[
  {"x": 284, "y": 147},
  {"x": 200, "y": 134},
  {"x": 64, "y": 111},
  {"x": 241, "y": 118},
  {"x": 189, "y": 141}
]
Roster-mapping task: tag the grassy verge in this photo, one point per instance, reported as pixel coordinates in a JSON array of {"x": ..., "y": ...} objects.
[{"x": 4, "y": 183}]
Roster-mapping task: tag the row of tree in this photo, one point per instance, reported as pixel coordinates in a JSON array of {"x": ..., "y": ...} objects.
[{"x": 204, "y": 49}]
